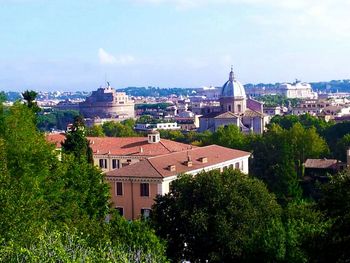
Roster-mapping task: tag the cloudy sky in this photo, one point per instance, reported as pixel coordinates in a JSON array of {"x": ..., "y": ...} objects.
[{"x": 76, "y": 45}]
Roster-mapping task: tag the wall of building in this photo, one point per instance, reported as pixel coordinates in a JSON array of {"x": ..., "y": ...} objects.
[
  {"x": 106, "y": 103},
  {"x": 121, "y": 161},
  {"x": 132, "y": 202}
]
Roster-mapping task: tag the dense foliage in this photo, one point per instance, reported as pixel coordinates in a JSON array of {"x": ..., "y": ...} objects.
[
  {"x": 119, "y": 129},
  {"x": 54, "y": 206},
  {"x": 56, "y": 119},
  {"x": 231, "y": 217},
  {"x": 278, "y": 100}
]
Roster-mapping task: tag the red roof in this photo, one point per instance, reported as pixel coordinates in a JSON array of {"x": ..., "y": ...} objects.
[
  {"x": 321, "y": 163},
  {"x": 56, "y": 138},
  {"x": 158, "y": 166},
  {"x": 138, "y": 146}
]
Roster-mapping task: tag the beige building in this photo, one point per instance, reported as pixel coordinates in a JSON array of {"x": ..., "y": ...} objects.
[
  {"x": 236, "y": 109},
  {"x": 106, "y": 103},
  {"x": 300, "y": 90},
  {"x": 135, "y": 187},
  {"x": 116, "y": 152}
]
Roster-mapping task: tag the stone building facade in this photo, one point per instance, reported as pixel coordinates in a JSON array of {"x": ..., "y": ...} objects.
[
  {"x": 236, "y": 109},
  {"x": 106, "y": 103}
]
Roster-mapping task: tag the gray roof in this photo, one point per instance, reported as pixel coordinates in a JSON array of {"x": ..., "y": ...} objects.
[
  {"x": 320, "y": 163},
  {"x": 233, "y": 88}
]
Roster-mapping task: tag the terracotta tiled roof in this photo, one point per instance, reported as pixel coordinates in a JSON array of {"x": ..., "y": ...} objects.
[
  {"x": 252, "y": 113},
  {"x": 126, "y": 146},
  {"x": 158, "y": 167},
  {"x": 56, "y": 138},
  {"x": 220, "y": 115},
  {"x": 320, "y": 163}
]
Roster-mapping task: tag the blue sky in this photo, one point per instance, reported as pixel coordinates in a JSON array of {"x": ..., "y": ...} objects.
[{"x": 75, "y": 45}]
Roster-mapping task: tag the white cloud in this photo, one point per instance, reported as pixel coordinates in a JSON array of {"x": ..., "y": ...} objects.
[{"x": 107, "y": 58}]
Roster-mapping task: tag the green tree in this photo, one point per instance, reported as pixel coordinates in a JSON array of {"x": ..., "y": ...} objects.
[
  {"x": 29, "y": 96},
  {"x": 220, "y": 217},
  {"x": 335, "y": 203},
  {"x": 2, "y": 96},
  {"x": 69, "y": 245},
  {"x": 76, "y": 142},
  {"x": 229, "y": 136},
  {"x": 273, "y": 162},
  {"x": 129, "y": 122},
  {"x": 28, "y": 161},
  {"x": 174, "y": 135},
  {"x": 139, "y": 238},
  {"x": 305, "y": 226},
  {"x": 285, "y": 122},
  {"x": 306, "y": 143},
  {"x": 342, "y": 146},
  {"x": 334, "y": 133},
  {"x": 116, "y": 129},
  {"x": 95, "y": 131},
  {"x": 54, "y": 210},
  {"x": 306, "y": 120}
]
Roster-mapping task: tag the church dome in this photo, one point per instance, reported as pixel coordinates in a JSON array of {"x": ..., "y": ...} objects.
[{"x": 233, "y": 88}]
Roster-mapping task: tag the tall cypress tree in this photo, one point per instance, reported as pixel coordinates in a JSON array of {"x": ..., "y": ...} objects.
[{"x": 76, "y": 142}]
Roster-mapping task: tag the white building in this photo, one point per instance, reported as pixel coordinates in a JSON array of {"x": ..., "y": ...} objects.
[
  {"x": 237, "y": 109},
  {"x": 135, "y": 187},
  {"x": 157, "y": 126},
  {"x": 300, "y": 90}
]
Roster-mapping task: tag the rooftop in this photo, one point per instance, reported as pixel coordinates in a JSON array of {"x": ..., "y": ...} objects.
[
  {"x": 158, "y": 166},
  {"x": 320, "y": 163},
  {"x": 127, "y": 146}
]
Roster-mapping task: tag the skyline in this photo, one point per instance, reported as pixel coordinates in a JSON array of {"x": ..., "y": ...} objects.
[{"x": 174, "y": 43}]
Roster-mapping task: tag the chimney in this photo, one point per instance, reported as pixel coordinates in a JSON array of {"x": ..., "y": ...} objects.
[
  {"x": 203, "y": 159},
  {"x": 188, "y": 163},
  {"x": 348, "y": 157},
  {"x": 172, "y": 168},
  {"x": 141, "y": 149}
]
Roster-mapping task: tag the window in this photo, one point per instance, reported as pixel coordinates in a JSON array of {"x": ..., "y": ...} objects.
[
  {"x": 144, "y": 189},
  {"x": 119, "y": 188},
  {"x": 236, "y": 165},
  {"x": 120, "y": 210},
  {"x": 145, "y": 212},
  {"x": 115, "y": 163},
  {"x": 229, "y": 107},
  {"x": 154, "y": 138},
  {"x": 239, "y": 108},
  {"x": 103, "y": 163}
]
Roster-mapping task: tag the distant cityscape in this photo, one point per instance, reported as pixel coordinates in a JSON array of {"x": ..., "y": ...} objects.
[
  {"x": 333, "y": 86},
  {"x": 248, "y": 106}
]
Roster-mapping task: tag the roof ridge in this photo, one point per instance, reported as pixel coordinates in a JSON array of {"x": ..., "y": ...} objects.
[
  {"x": 165, "y": 146},
  {"x": 154, "y": 167},
  {"x": 190, "y": 149}
]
